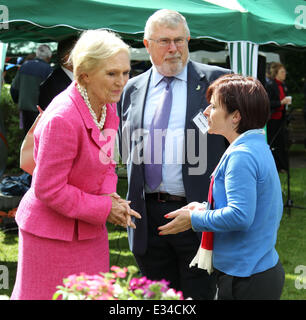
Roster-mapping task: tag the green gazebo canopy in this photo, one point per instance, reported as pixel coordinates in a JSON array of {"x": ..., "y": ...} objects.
[{"x": 282, "y": 22}]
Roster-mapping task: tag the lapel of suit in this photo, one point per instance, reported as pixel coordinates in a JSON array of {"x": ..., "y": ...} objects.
[
  {"x": 138, "y": 100},
  {"x": 196, "y": 90}
]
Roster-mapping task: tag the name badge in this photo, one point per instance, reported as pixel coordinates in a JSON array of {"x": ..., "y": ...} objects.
[{"x": 201, "y": 122}]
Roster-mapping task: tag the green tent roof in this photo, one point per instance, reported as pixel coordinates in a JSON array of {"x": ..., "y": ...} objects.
[{"x": 282, "y": 22}]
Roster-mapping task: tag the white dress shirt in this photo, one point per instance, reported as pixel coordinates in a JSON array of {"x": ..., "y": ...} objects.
[
  {"x": 172, "y": 179},
  {"x": 68, "y": 72}
]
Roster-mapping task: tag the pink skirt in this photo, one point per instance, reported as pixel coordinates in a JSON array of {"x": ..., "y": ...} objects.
[{"x": 44, "y": 263}]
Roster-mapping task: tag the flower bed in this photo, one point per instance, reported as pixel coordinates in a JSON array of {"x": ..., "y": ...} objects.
[{"x": 119, "y": 284}]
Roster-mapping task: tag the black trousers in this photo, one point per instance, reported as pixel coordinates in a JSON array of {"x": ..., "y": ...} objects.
[
  {"x": 168, "y": 257},
  {"x": 267, "y": 285}
]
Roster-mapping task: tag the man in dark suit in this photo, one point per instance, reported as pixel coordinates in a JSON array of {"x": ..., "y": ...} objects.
[
  {"x": 25, "y": 86},
  {"x": 188, "y": 159},
  {"x": 61, "y": 77}
]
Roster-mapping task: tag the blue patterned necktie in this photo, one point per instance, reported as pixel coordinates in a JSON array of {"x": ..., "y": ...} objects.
[{"x": 153, "y": 170}]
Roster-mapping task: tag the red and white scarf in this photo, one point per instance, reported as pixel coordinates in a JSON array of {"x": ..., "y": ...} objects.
[{"x": 203, "y": 257}]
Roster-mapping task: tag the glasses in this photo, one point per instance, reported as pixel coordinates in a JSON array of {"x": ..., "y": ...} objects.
[{"x": 165, "y": 42}]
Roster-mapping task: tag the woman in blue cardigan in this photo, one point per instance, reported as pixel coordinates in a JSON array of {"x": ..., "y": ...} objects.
[{"x": 244, "y": 209}]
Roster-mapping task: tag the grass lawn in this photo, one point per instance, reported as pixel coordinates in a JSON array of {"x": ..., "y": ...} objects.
[{"x": 291, "y": 244}]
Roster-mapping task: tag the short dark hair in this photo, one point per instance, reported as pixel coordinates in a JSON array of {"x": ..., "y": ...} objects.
[
  {"x": 64, "y": 48},
  {"x": 245, "y": 94}
]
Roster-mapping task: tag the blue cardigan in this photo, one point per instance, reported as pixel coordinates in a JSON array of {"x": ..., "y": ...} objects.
[{"x": 248, "y": 208}]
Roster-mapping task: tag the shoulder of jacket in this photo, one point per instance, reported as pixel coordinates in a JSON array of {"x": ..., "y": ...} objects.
[
  {"x": 139, "y": 78},
  {"x": 209, "y": 71}
]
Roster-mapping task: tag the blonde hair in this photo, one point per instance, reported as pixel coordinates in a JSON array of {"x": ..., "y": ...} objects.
[
  {"x": 92, "y": 48},
  {"x": 274, "y": 68}
]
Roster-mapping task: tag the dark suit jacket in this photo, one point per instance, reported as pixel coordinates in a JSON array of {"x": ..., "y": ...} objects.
[
  {"x": 273, "y": 93},
  {"x": 131, "y": 111},
  {"x": 57, "y": 82}
]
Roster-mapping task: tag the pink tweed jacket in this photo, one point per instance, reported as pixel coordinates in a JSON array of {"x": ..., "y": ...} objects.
[{"x": 74, "y": 170}]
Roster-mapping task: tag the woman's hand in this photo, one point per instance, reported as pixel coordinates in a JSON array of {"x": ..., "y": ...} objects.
[
  {"x": 182, "y": 218},
  {"x": 181, "y": 222},
  {"x": 117, "y": 214},
  {"x": 286, "y": 100},
  {"x": 121, "y": 212}
]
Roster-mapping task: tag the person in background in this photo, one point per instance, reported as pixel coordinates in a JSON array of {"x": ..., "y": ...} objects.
[
  {"x": 177, "y": 177},
  {"x": 62, "y": 218},
  {"x": 269, "y": 66},
  {"x": 277, "y": 133},
  {"x": 245, "y": 206},
  {"x": 61, "y": 77},
  {"x": 25, "y": 85}
]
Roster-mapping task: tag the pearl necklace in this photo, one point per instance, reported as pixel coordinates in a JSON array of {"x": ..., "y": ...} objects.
[{"x": 99, "y": 124}]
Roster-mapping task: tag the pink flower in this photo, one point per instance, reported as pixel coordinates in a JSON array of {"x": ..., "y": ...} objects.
[
  {"x": 163, "y": 285},
  {"x": 119, "y": 272},
  {"x": 180, "y": 294},
  {"x": 143, "y": 281},
  {"x": 134, "y": 284},
  {"x": 71, "y": 280},
  {"x": 139, "y": 283},
  {"x": 105, "y": 296},
  {"x": 114, "y": 285}
]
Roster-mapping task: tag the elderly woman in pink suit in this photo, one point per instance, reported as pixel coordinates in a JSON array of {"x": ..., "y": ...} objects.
[{"x": 62, "y": 218}]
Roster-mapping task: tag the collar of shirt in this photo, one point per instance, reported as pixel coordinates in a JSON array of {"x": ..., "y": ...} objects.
[{"x": 157, "y": 77}]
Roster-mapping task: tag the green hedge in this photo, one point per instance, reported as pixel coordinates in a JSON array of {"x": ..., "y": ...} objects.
[
  {"x": 298, "y": 100},
  {"x": 14, "y": 134}
]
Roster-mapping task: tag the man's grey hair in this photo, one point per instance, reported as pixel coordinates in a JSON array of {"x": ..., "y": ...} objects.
[
  {"x": 43, "y": 52},
  {"x": 168, "y": 18}
]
